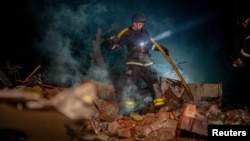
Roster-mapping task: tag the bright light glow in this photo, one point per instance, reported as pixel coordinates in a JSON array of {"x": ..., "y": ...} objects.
[
  {"x": 141, "y": 44},
  {"x": 164, "y": 34}
]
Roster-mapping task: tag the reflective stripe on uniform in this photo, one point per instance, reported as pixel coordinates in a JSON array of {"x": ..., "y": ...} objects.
[
  {"x": 140, "y": 64},
  {"x": 248, "y": 37},
  {"x": 153, "y": 47},
  {"x": 244, "y": 53},
  {"x": 159, "y": 102}
]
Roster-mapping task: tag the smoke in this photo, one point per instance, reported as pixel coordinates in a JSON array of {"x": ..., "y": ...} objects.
[
  {"x": 66, "y": 31},
  {"x": 133, "y": 99}
]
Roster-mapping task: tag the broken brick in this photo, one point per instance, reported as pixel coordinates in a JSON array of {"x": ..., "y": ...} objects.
[{"x": 125, "y": 132}]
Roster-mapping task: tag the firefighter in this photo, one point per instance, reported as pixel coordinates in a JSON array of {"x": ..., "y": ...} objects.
[
  {"x": 139, "y": 62},
  {"x": 241, "y": 76},
  {"x": 244, "y": 53}
]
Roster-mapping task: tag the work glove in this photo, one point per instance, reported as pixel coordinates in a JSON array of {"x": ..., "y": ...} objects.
[
  {"x": 239, "y": 63},
  {"x": 112, "y": 43}
]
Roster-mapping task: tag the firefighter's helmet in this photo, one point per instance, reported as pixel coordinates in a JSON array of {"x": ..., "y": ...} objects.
[{"x": 139, "y": 18}]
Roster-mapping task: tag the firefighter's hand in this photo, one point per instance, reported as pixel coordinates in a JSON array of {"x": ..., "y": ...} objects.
[
  {"x": 239, "y": 63},
  {"x": 112, "y": 42},
  {"x": 165, "y": 50}
]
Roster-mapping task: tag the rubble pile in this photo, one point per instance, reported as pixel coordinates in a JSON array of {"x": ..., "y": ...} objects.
[
  {"x": 158, "y": 126},
  {"x": 95, "y": 113}
]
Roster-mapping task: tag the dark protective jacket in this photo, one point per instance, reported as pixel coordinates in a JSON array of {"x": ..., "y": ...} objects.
[
  {"x": 245, "y": 51},
  {"x": 246, "y": 46},
  {"x": 138, "y": 46},
  {"x": 136, "y": 41}
]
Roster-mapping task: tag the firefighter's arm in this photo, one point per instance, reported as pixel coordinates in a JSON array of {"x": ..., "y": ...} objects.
[
  {"x": 112, "y": 43},
  {"x": 113, "y": 40},
  {"x": 244, "y": 54}
]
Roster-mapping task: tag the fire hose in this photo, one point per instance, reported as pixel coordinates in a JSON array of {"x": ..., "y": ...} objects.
[{"x": 174, "y": 67}]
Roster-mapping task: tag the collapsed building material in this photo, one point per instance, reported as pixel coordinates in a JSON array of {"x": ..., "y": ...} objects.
[
  {"x": 81, "y": 101},
  {"x": 19, "y": 94},
  {"x": 192, "y": 121},
  {"x": 97, "y": 55},
  {"x": 171, "y": 100},
  {"x": 105, "y": 91},
  {"x": 107, "y": 110},
  {"x": 204, "y": 94},
  {"x": 29, "y": 79},
  {"x": 172, "y": 64},
  {"x": 5, "y": 80},
  {"x": 92, "y": 101}
]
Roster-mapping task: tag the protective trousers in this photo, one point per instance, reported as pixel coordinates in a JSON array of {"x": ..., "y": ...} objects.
[{"x": 135, "y": 73}]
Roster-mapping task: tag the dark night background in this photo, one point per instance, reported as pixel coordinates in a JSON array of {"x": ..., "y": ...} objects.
[{"x": 58, "y": 34}]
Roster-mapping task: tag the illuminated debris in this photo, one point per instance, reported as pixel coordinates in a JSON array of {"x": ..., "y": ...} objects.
[
  {"x": 112, "y": 128},
  {"x": 18, "y": 94},
  {"x": 49, "y": 92},
  {"x": 207, "y": 94},
  {"x": 76, "y": 102},
  {"x": 125, "y": 132},
  {"x": 204, "y": 94},
  {"x": 105, "y": 91},
  {"x": 93, "y": 103},
  {"x": 192, "y": 121},
  {"x": 136, "y": 116},
  {"x": 33, "y": 78},
  {"x": 107, "y": 110},
  {"x": 171, "y": 100},
  {"x": 35, "y": 90}
]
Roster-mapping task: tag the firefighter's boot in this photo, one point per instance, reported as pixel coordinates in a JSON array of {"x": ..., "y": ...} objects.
[
  {"x": 158, "y": 100},
  {"x": 130, "y": 104}
]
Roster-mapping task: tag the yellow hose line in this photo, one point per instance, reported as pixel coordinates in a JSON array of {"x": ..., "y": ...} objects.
[
  {"x": 122, "y": 32},
  {"x": 174, "y": 67}
]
